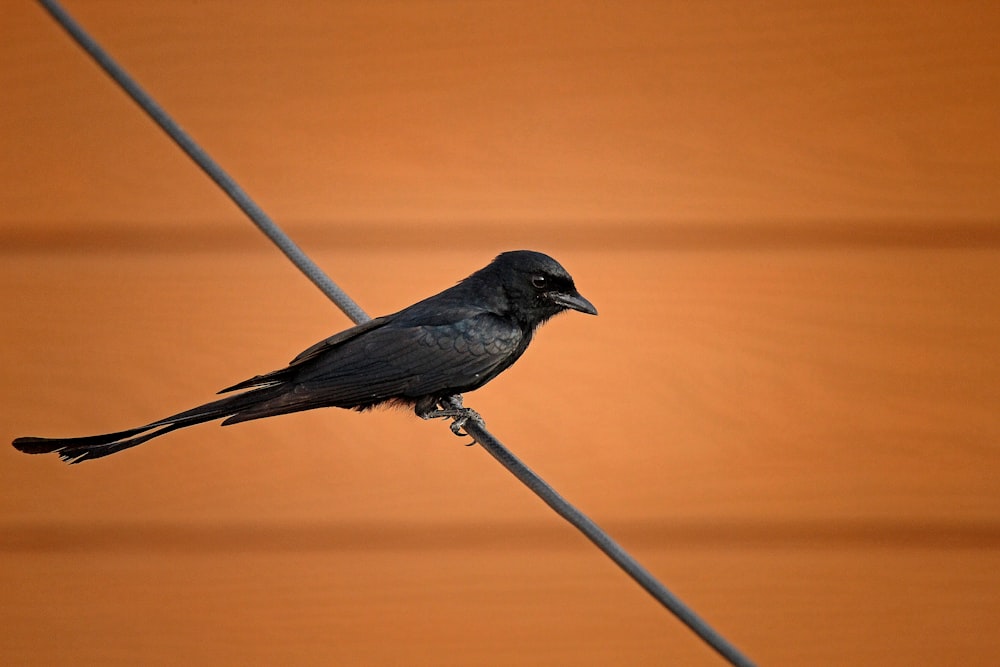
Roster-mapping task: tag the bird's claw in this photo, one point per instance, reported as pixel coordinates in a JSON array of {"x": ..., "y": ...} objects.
[
  {"x": 456, "y": 426},
  {"x": 452, "y": 407}
]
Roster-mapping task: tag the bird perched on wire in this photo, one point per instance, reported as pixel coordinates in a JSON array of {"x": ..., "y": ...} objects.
[{"x": 423, "y": 356}]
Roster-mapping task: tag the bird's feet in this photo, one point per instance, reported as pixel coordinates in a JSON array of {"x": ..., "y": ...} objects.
[{"x": 451, "y": 407}]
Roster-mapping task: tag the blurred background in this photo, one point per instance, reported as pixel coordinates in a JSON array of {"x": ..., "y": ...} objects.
[{"x": 788, "y": 215}]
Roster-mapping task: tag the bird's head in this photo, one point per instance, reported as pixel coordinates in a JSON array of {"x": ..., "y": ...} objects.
[{"x": 537, "y": 286}]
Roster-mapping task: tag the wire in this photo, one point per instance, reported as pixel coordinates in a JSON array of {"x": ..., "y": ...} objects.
[
  {"x": 207, "y": 164},
  {"x": 605, "y": 543},
  {"x": 487, "y": 440}
]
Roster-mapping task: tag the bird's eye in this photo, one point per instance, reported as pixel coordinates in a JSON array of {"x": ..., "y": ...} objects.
[{"x": 538, "y": 281}]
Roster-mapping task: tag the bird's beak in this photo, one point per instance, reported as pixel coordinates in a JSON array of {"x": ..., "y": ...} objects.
[{"x": 574, "y": 301}]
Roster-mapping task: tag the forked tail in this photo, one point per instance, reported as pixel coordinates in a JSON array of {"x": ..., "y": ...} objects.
[{"x": 75, "y": 450}]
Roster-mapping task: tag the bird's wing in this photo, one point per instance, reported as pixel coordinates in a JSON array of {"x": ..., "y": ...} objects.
[
  {"x": 317, "y": 350},
  {"x": 338, "y": 339},
  {"x": 413, "y": 360}
]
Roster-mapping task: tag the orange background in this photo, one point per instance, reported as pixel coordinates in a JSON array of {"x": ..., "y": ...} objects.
[{"x": 788, "y": 215}]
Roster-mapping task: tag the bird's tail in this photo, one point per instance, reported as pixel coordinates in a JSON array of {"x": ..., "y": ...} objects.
[{"x": 75, "y": 450}]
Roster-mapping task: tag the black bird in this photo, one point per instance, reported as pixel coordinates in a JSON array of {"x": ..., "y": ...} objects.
[{"x": 422, "y": 356}]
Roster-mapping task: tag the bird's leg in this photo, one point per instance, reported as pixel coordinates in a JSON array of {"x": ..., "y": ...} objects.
[{"x": 450, "y": 407}]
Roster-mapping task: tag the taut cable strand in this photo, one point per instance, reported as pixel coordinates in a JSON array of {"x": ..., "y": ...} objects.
[
  {"x": 207, "y": 164},
  {"x": 605, "y": 543},
  {"x": 490, "y": 443}
]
